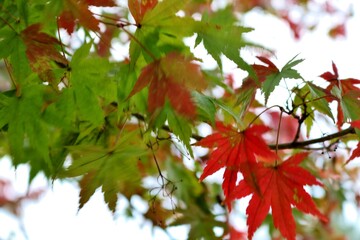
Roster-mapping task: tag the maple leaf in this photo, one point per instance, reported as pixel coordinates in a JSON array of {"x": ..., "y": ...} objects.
[
  {"x": 295, "y": 27},
  {"x": 41, "y": 49},
  {"x": 202, "y": 223},
  {"x": 12, "y": 201},
  {"x": 235, "y": 151},
  {"x": 344, "y": 84},
  {"x": 274, "y": 76},
  {"x": 268, "y": 76},
  {"x": 248, "y": 88},
  {"x": 235, "y": 234},
  {"x": 356, "y": 151},
  {"x": 345, "y": 92},
  {"x": 29, "y": 136},
  {"x": 67, "y": 21},
  {"x": 263, "y": 71},
  {"x": 138, "y": 8},
  {"x": 281, "y": 187},
  {"x": 220, "y": 35},
  {"x": 158, "y": 215},
  {"x": 338, "y": 31},
  {"x": 354, "y": 154},
  {"x": 104, "y": 45},
  {"x": 170, "y": 78},
  {"x": 79, "y": 11},
  {"x": 115, "y": 170},
  {"x": 100, "y": 3},
  {"x": 158, "y": 28}
]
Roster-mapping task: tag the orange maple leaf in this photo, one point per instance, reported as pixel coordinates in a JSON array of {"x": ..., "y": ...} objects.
[
  {"x": 170, "y": 78},
  {"x": 236, "y": 151},
  {"x": 281, "y": 187}
]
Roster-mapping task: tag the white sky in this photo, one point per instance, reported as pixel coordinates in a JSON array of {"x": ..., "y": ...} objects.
[{"x": 55, "y": 216}]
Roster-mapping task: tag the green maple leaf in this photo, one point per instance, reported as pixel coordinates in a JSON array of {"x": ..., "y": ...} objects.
[
  {"x": 91, "y": 85},
  {"x": 161, "y": 31},
  {"x": 181, "y": 128},
  {"x": 8, "y": 42},
  {"x": 114, "y": 170},
  {"x": 220, "y": 35},
  {"x": 274, "y": 79},
  {"x": 350, "y": 105},
  {"x": 202, "y": 223},
  {"x": 27, "y": 132},
  {"x": 320, "y": 103}
]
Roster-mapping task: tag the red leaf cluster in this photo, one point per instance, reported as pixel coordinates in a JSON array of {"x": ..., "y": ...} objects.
[
  {"x": 272, "y": 185},
  {"x": 170, "y": 78}
]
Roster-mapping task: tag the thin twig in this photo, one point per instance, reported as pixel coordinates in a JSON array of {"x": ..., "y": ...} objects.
[{"x": 278, "y": 131}]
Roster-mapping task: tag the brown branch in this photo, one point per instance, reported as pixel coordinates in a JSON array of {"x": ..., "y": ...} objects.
[
  {"x": 303, "y": 144},
  {"x": 292, "y": 145}
]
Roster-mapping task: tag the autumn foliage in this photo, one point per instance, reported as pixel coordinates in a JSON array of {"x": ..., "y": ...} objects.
[{"x": 131, "y": 122}]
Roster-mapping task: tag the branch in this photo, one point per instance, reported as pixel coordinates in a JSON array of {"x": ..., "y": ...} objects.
[
  {"x": 302, "y": 144},
  {"x": 292, "y": 145}
]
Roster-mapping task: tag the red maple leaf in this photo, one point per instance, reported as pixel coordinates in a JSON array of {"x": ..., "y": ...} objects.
[
  {"x": 138, "y": 8},
  {"x": 170, "y": 78},
  {"x": 338, "y": 31},
  {"x": 263, "y": 71},
  {"x": 356, "y": 152},
  {"x": 235, "y": 234},
  {"x": 104, "y": 45},
  {"x": 78, "y": 11},
  {"x": 281, "y": 187},
  {"x": 347, "y": 87},
  {"x": 236, "y": 151},
  {"x": 249, "y": 86},
  {"x": 41, "y": 50},
  {"x": 11, "y": 201},
  {"x": 100, "y": 3},
  {"x": 295, "y": 27}
]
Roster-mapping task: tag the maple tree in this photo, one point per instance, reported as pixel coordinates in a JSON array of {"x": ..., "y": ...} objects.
[{"x": 73, "y": 110}]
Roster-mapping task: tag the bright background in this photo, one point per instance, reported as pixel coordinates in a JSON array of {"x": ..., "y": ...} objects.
[{"x": 55, "y": 216}]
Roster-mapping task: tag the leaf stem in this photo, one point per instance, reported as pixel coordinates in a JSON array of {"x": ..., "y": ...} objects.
[
  {"x": 10, "y": 72},
  {"x": 257, "y": 116},
  {"x": 6, "y": 22},
  {"x": 61, "y": 44},
  {"x": 122, "y": 26},
  {"x": 278, "y": 133}
]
